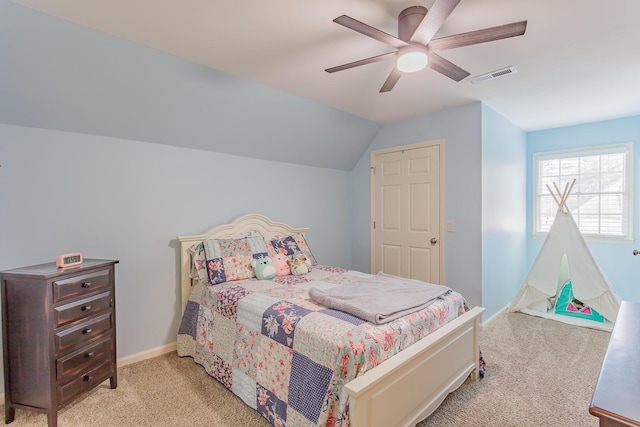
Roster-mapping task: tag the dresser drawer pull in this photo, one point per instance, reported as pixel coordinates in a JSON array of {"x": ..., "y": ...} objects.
[
  {"x": 87, "y": 331},
  {"x": 86, "y": 308},
  {"x": 86, "y": 284},
  {"x": 87, "y": 378},
  {"x": 89, "y": 355}
]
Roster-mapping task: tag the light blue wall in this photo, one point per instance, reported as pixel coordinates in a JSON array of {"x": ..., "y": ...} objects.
[
  {"x": 620, "y": 267},
  {"x": 504, "y": 215},
  {"x": 128, "y": 200},
  {"x": 58, "y": 75},
  {"x": 461, "y": 129}
]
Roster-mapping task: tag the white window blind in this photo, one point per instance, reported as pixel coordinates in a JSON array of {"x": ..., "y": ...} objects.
[{"x": 600, "y": 199}]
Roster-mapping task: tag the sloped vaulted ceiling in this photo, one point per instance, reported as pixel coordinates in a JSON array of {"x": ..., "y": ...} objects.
[{"x": 60, "y": 75}]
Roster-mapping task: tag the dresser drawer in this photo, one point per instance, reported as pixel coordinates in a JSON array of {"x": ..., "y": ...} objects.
[
  {"x": 86, "y": 307},
  {"x": 79, "y": 285},
  {"x": 84, "y": 382},
  {"x": 79, "y": 335},
  {"x": 81, "y": 360}
]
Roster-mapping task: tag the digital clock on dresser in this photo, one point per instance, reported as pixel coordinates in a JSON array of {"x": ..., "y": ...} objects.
[{"x": 69, "y": 260}]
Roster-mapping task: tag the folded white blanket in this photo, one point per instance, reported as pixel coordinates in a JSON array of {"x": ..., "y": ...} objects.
[{"x": 380, "y": 298}]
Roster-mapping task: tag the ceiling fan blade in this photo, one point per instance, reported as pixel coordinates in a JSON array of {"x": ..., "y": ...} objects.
[
  {"x": 446, "y": 68},
  {"x": 433, "y": 20},
  {"x": 480, "y": 36},
  {"x": 360, "y": 62},
  {"x": 391, "y": 81},
  {"x": 369, "y": 31}
]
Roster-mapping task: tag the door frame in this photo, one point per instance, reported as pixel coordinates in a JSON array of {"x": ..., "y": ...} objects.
[{"x": 435, "y": 142}]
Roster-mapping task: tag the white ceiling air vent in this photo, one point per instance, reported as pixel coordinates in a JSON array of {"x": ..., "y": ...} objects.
[{"x": 493, "y": 75}]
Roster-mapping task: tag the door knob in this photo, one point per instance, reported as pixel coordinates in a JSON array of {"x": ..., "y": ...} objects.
[
  {"x": 434, "y": 240},
  {"x": 636, "y": 252}
]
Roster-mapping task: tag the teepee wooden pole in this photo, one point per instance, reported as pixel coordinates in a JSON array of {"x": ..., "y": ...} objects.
[
  {"x": 567, "y": 193},
  {"x": 553, "y": 195},
  {"x": 558, "y": 192},
  {"x": 561, "y": 205},
  {"x": 563, "y": 196}
]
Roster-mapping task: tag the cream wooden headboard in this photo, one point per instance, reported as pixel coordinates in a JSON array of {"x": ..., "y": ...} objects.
[{"x": 249, "y": 222}]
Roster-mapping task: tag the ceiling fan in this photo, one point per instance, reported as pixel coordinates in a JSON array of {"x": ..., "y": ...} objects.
[{"x": 415, "y": 46}]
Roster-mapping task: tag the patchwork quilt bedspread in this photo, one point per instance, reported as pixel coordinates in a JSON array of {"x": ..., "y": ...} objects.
[{"x": 288, "y": 357}]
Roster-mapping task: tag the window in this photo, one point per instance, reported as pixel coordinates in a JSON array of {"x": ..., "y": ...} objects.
[{"x": 600, "y": 199}]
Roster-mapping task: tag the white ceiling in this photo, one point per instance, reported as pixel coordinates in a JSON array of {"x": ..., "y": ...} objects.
[{"x": 578, "y": 62}]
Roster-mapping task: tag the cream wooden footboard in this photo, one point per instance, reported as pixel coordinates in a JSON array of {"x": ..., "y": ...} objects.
[{"x": 407, "y": 387}]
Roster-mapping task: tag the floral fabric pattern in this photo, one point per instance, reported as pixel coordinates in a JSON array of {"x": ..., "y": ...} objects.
[
  {"x": 289, "y": 245},
  {"x": 289, "y": 357},
  {"x": 228, "y": 300},
  {"x": 270, "y": 407},
  {"x": 291, "y": 280},
  {"x": 280, "y": 320},
  {"x": 198, "y": 257},
  {"x": 230, "y": 259},
  {"x": 199, "y": 263}
]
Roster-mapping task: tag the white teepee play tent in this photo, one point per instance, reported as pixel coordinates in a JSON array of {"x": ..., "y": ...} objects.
[{"x": 541, "y": 287}]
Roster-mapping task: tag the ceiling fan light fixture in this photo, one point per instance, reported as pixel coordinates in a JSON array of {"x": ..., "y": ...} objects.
[
  {"x": 415, "y": 46},
  {"x": 412, "y": 58}
]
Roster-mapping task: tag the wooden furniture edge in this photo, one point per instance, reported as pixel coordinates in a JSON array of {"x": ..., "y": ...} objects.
[{"x": 614, "y": 399}]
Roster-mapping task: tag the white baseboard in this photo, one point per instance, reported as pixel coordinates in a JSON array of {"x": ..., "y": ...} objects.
[
  {"x": 492, "y": 318},
  {"x": 143, "y": 355},
  {"x": 147, "y": 354}
]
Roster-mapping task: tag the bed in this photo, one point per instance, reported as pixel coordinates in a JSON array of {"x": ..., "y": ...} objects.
[{"x": 301, "y": 364}]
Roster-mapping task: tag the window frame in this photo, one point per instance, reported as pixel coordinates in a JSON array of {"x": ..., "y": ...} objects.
[{"x": 626, "y": 148}]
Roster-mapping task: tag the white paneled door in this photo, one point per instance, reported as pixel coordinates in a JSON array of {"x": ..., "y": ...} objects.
[{"x": 406, "y": 211}]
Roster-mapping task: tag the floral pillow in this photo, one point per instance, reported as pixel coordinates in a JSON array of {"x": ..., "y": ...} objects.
[
  {"x": 198, "y": 259},
  {"x": 230, "y": 259},
  {"x": 288, "y": 245},
  {"x": 198, "y": 263}
]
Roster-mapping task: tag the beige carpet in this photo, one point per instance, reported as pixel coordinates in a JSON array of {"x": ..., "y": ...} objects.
[{"x": 539, "y": 373}]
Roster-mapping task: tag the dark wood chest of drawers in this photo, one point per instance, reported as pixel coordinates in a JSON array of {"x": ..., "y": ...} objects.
[{"x": 58, "y": 334}]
